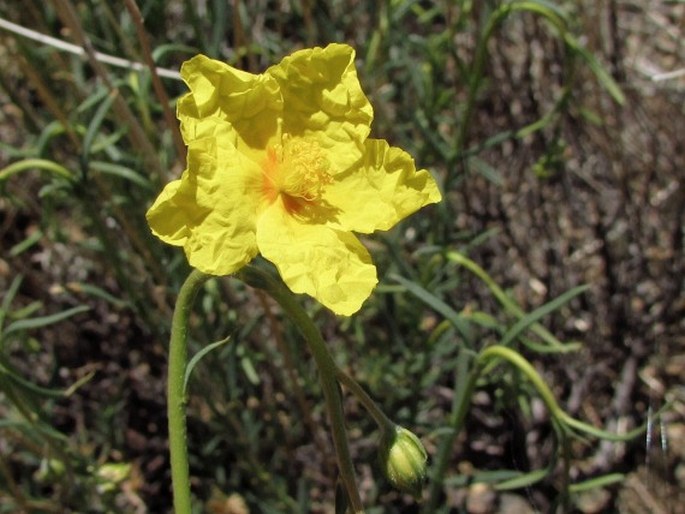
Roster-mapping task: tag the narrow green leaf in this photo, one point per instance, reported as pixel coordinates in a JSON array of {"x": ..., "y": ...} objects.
[
  {"x": 49, "y": 132},
  {"x": 42, "y": 321},
  {"x": 593, "y": 483},
  {"x": 26, "y": 311},
  {"x": 160, "y": 51},
  {"x": 509, "y": 305},
  {"x": 523, "y": 480},
  {"x": 27, "y": 243},
  {"x": 461, "y": 386},
  {"x": 602, "y": 75},
  {"x": 547, "y": 10},
  {"x": 7, "y": 301},
  {"x": 529, "y": 319},
  {"x": 599, "y": 433},
  {"x": 482, "y": 477},
  {"x": 250, "y": 372},
  {"x": 486, "y": 170},
  {"x": 95, "y": 98},
  {"x": 108, "y": 142},
  {"x": 94, "y": 127},
  {"x": 120, "y": 171},
  {"x": 436, "y": 304},
  {"x": 30, "y": 429},
  {"x": 40, "y": 164},
  {"x": 198, "y": 357},
  {"x": 29, "y": 387},
  {"x": 98, "y": 292}
]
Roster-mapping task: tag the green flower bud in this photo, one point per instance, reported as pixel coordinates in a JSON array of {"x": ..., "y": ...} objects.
[{"x": 403, "y": 460}]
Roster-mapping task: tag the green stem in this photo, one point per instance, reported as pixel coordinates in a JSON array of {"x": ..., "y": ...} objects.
[
  {"x": 328, "y": 371},
  {"x": 459, "y": 410},
  {"x": 528, "y": 370},
  {"x": 176, "y": 414},
  {"x": 463, "y": 401},
  {"x": 383, "y": 422},
  {"x": 476, "y": 75},
  {"x": 563, "y": 423}
]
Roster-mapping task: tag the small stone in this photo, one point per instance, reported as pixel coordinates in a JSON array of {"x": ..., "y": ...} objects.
[{"x": 480, "y": 499}]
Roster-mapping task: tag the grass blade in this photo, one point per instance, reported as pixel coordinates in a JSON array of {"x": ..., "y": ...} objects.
[
  {"x": 43, "y": 321},
  {"x": 41, "y": 164},
  {"x": 509, "y": 305},
  {"x": 438, "y": 305},
  {"x": 593, "y": 483},
  {"x": 529, "y": 319}
]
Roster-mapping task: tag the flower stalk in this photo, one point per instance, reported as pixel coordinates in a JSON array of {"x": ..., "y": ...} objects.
[
  {"x": 328, "y": 373},
  {"x": 176, "y": 401},
  {"x": 384, "y": 423}
]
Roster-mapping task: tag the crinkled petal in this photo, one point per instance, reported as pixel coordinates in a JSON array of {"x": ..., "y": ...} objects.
[
  {"x": 325, "y": 101},
  {"x": 380, "y": 191},
  {"x": 211, "y": 210},
  {"x": 332, "y": 266},
  {"x": 173, "y": 212},
  {"x": 252, "y": 104}
]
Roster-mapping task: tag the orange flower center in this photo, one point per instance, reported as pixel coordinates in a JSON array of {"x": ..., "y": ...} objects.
[{"x": 296, "y": 171}]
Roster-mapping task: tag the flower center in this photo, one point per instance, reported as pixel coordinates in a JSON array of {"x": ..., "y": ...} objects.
[{"x": 297, "y": 171}]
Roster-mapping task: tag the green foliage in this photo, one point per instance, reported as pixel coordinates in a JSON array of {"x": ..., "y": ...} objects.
[
  {"x": 48, "y": 458},
  {"x": 101, "y": 146}
]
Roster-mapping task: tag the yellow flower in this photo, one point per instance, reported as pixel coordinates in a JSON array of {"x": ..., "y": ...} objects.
[{"x": 279, "y": 164}]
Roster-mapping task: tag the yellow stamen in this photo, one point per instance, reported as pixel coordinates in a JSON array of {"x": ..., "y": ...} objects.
[{"x": 296, "y": 170}]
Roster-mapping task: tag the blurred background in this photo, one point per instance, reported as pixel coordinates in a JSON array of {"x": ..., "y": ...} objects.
[{"x": 555, "y": 130}]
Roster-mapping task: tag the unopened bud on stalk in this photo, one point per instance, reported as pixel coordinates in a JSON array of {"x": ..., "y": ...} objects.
[{"x": 403, "y": 460}]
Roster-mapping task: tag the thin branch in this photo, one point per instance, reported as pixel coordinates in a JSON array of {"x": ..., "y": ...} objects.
[
  {"x": 156, "y": 82},
  {"x": 136, "y": 134},
  {"x": 77, "y": 50}
]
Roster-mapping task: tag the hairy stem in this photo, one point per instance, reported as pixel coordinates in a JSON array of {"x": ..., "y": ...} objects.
[
  {"x": 178, "y": 351},
  {"x": 328, "y": 372},
  {"x": 374, "y": 411}
]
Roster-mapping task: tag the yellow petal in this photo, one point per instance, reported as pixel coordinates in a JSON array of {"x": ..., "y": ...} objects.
[
  {"x": 211, "y": 211},
  {"x": 332, "y": 266},
  {"x": 325, "y": 101},
  {"x": 380, "y": 191},
  {"x": 167, "y": 217},
  {"x": 251, "y": 103}
]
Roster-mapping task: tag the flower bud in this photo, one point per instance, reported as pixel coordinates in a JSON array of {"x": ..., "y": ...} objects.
[{"x": 403, "y": 460}]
